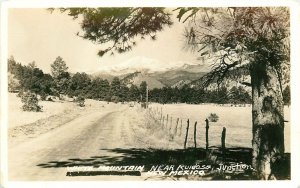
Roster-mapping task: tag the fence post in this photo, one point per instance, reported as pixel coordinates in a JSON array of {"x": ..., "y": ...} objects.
[
  {"x": 187, "y": 132},
  {"x": 176, "y": 126},
  {"x": 161, "y": 115},
  {"x": 207, "y": 127},
  {"x": 160, "y": 120},
  {"x": 170, "y": 124},
  {"x": 195, "y": 131},
  {"x": 180, "y": 127},
  {"x": 167, "y": 121},
  {"x": 223, "y": 139}
]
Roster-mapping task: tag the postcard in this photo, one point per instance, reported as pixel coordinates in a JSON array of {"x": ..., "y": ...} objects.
[{"x": 151, "y": 93}]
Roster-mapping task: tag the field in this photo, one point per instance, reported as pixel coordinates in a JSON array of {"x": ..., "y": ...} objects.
[{"x": 236, "y": 119}]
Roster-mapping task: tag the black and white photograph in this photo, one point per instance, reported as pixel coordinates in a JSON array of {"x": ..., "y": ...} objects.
[{"x": 148, "y": 93}]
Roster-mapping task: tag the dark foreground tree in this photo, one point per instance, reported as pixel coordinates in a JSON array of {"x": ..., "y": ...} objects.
[
  {"x": 255, "y": 39},
  {"x": 118, "y": 27}
]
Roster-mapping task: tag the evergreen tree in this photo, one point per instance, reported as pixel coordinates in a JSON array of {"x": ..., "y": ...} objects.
[
  {"x": 115, "y": 87},
  {"x": 105, "y": 90},
  {"x": 58, "y": 67},
  {"x": 134, "y": 93},
  {"x": 143, "y": 89},
  {"x": 79, "y": 85},
  {"x": 59, "y": 71}
]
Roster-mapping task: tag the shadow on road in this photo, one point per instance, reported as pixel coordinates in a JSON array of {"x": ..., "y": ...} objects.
[
  {"x": 150, "y": 157},
  {"x": 134, "y": 156}
]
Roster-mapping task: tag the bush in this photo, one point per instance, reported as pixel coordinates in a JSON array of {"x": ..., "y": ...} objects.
[
  {"x": 43, "y": 96},
  {"x": 30, "y": 102},
  {"x": 80, "y": 101},
  {"x": 115, "y": 99},
  {"x": 213, "y": 117}
]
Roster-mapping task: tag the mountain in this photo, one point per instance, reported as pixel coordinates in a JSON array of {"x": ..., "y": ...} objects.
[
  {"x": 155, "y": 73},
  {"x": 107, "y": 76},
  {"x": 171, "y": 77},
  {"x": 235, "y": 78},
  {"x": 103, "y": 76},
  {"x": 196, "y": 68},
  {"x": 137, "y": 64},
  {"x": 138, "y": 77},
  {"x": 181, "y": 83}
]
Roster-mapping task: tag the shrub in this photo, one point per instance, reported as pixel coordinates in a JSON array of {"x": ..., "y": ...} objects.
[
  {"x": 107, "y": 98},
  {"x": 43, "y": 96},
  {"x": 115, "y": 99},
  {"x": 213, "y": 117},
  {"x": 80, "y": 101},
  {"x": 13, "y": 83},
  {"x": 30, "y": 102}
]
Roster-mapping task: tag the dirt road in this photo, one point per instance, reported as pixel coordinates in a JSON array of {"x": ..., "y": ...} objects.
[{"x": 85, "y": 141}]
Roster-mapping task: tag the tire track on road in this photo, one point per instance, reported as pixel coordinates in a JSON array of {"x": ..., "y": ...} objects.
[{"x": 83, "y": 137}]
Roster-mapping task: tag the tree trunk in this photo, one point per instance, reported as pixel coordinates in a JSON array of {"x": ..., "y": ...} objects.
[{"x": 267, "y": 120}]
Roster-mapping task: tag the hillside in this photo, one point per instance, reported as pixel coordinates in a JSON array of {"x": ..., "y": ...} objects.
[
  {"x": 181, "y": 83},
  {"x": 138, "y": 77},
  {"x": 108, "y": 76},
  {"x": 235, "y": 77},
  {"x": 170, "y": 78}
]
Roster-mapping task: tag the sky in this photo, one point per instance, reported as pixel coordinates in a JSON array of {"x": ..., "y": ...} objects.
[{"x": 37, "y": 35}]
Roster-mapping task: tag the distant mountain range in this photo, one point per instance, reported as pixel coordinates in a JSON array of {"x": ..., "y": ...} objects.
[
  {"x": 177, "y": 77},
  {"x": 158, "y": 75},
  {"x": 172, "y": 77}
]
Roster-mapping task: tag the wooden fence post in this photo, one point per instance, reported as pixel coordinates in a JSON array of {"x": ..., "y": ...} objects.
[
  {"x": 195, "y": 131},
  {"x": 147, "y": 91},
  {"x": 161, "y": 115},
  {"x": 223, "y": 139},
  {"x": 187, "y": 132},
  {"x": 170, "y": 124},
  {"x": 160, "y": 120},
  {"x": 180, "y": 127},
  {"x": 207, "y": 127},
  {"x": 167, "y": 121},
  {"x": 176, "y": 126}
]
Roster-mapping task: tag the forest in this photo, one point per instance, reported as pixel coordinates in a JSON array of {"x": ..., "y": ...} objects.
[{"x": 24, "y": 78}]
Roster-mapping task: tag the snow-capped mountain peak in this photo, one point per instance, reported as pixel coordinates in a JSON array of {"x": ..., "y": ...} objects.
[{"x": 142, "y": 64}]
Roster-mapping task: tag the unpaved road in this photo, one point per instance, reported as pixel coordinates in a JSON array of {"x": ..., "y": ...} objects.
[{"x": 79, "y": 141}]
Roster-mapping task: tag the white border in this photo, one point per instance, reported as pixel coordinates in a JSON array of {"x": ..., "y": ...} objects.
[
  {"x": 145, "y": 3},
  {"x": 295, "y": 88},
  {"x": 3, "y": 95},
  {"x": 295, "y": 93}
]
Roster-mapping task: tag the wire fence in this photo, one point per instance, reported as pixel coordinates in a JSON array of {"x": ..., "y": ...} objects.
[{"x": 189, "y": 131}]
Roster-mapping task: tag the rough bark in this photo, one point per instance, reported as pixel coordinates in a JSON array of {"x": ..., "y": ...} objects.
[{"x": 267, "y": 120}]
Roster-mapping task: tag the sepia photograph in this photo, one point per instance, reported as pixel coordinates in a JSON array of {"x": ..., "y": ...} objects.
[{"x": 148, "y": 93}]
